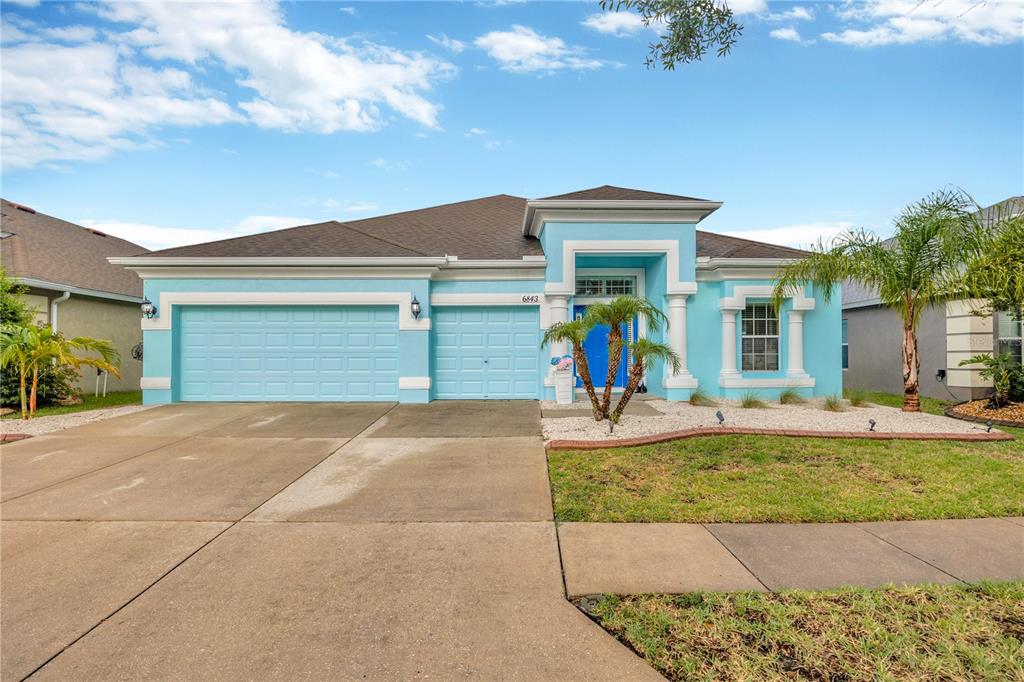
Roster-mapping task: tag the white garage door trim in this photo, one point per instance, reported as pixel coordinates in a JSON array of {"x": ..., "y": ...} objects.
[{"x": 403, "y": 299}]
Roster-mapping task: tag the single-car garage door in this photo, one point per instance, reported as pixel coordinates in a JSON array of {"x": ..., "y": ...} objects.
[
  {"x": 485, "y": 352},
  {"x": 288, "y": 353}
]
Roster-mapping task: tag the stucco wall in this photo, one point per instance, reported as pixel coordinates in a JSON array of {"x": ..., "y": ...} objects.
[
  {"x": 875, "y": 337},
  {"x": 103, "y": 319}
]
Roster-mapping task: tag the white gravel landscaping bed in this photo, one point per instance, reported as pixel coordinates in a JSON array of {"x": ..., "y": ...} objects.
[
  {"x": 807, "y": 417},
  {"x": 37, "y": 426}
]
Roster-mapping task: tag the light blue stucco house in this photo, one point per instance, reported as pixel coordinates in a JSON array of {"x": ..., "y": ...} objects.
[{"x": 450, "y": 302}]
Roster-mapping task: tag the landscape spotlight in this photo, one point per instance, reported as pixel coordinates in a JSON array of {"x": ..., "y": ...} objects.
[
  {"x": 721, "y": 417},
  {"x": 989, "y": 425},
  {"x": 871, "y": 424}
]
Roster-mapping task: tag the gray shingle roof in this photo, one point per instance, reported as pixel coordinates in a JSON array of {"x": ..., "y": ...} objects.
[
  {"x": 53, "y": 250},
  {"x": 485, "y": 229},
  {"x": 611, "y": 193}
]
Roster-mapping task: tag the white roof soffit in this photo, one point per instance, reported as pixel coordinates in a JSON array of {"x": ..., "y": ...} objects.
[{"x": 682, "y": 210}]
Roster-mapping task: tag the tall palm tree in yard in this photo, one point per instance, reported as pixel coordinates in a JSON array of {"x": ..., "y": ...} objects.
[
  {"x": 27, "y": 348},
  {"x": 644, "y": 352},
  {"x": 575, "y": 333},
  {"x": 920, "y": 266},
  {"x": 616, "y": 314}
]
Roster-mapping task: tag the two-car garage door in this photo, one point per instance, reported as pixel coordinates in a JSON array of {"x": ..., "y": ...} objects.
[{"x": 312, "y": 353}]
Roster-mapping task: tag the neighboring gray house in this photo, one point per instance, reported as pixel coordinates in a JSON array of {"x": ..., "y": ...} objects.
[
  {"x": 72, "y": 286},
  {"x": 947, "y": 334}
]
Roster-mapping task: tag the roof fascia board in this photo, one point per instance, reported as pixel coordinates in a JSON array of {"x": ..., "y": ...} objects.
[
  {"x": 78, "y": 291},
  {"x": 612, "y": 210},
  {"x": 279, "y": 261}
]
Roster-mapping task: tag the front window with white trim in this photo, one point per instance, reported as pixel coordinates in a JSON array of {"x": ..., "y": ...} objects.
[
  {"x": 599, "y": 285},
  {"x": 760, "y": 334},
  {"x": 1008, "y": 330}
]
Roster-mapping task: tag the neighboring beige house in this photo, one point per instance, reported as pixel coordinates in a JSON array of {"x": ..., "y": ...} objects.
[
  {"x": 73, "y": 287},
  {"x": 947, "y": 334}
]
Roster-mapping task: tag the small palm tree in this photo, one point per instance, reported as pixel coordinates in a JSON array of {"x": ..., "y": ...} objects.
[
  {"x": 616, "y": 314},
  {"x": 30, "y": 347},
  {"x": 919, "y": 267},
  {"x": 16, "y": 352},
  {"x": 644, "y": 352},
  {"x": 575, "y": 333}
]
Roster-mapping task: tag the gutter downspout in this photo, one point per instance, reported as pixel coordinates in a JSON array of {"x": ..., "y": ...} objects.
[{"x": 53, "y": 308}]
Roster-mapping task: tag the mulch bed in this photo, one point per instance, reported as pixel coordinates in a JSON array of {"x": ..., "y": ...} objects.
[
  {"x": 738, "y": 431},
  {"x": 975, "y": 411}
]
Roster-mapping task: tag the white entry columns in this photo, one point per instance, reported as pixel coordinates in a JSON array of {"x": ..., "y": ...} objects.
[
  {"x": 796, "y": 344},
  {"x": 559, "y": 306},
  {"x": 729, "y": 343},
  {"x": 677, "y": 341}
]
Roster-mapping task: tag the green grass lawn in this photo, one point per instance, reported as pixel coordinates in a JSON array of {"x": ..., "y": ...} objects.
[
  {"x": 89, "y": 402},
  {"x": 916, "y": 633},
  {"x": 770, "y": 478}
]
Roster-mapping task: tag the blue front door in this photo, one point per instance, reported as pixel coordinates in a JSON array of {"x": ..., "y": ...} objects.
[{"x": 596, "y": 348}]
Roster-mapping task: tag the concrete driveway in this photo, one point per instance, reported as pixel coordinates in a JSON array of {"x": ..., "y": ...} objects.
[{"x": 255, "y": 541}]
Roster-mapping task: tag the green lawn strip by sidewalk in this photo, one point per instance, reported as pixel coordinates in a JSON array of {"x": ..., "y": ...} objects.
[
  {"x": 929, "y": 405},
  {"x": 772, "y": 478},
  {"x": 89, "y": 402},
  {"x": 951, "y": 632}
]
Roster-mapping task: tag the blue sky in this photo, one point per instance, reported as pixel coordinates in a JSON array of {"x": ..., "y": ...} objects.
[{"x": 169, "y": 124}]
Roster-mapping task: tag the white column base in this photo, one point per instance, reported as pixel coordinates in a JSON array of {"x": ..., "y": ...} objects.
[{"x": 681, "y": 380}]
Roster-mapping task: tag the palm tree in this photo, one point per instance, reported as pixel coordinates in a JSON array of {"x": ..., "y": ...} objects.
[
  {"x": 16, "y": 352},
  {"x": 617, "y": 314},
  {"x": 30, "y": 347},
  {"x": 575, "y": 333},
  {"x": 919, "y": 267},
  {"x": 644, "y": 352}
]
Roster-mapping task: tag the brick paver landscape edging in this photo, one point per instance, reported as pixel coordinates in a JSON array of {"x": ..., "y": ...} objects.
[
  {"x": 744, "y": 431},
  {"x": 12, "y": 437}
]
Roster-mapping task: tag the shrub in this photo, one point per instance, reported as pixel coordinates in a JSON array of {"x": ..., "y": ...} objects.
[
  {"x": 1003, "y": 370},
  {"x": 833, "y": 403},
  {"x": 856, "y": 397},
  {"x": 791, "y": 396},
  {"x": 55, "y": 383},
  {"x": 699, "y": 398},
  {"x": 752, "y": 399}
]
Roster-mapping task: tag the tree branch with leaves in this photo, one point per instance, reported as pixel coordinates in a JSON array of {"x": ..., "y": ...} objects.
[{"x": 688, "y": 29}]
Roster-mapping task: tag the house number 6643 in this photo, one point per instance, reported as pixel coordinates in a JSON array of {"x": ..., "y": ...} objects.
[{"x": 531, "y": 298}]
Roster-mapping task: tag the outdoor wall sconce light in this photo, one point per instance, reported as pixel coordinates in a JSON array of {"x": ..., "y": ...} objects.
[
  {"x": 148, "y": 309},
  {"x": 871, "y": 424},
  {"x": 415, "y": 307},
  {"x": 721, "y": 417}
]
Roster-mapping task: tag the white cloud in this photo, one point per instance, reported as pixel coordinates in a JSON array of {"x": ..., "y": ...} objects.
[
  {"x": 157, "y": 237},
  {"x": 82, "y": 102},
  {"x": 389, "y": 164},
  {"x": 475, "y": 132},
  {"x": 620, "y": 24},
  {"x": 350, "y": 206},
  {"x": 23, "y": 3},
  {"x": 802, "y": 235},
  {"x": 739, "y": 7},
  {"x": 85, "y": 100},
  {"x": 447, "y": 43},
  {"x": 797, "y": 13},
  {"x": 351, "y": 11},
  {"x": 788, "y": 33},
  {"x": 523, "y": 50},
  {"x": 887, "y": 22}
]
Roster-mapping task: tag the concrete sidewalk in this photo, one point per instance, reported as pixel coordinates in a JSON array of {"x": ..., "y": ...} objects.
[{"x": 633, "y": 558}]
